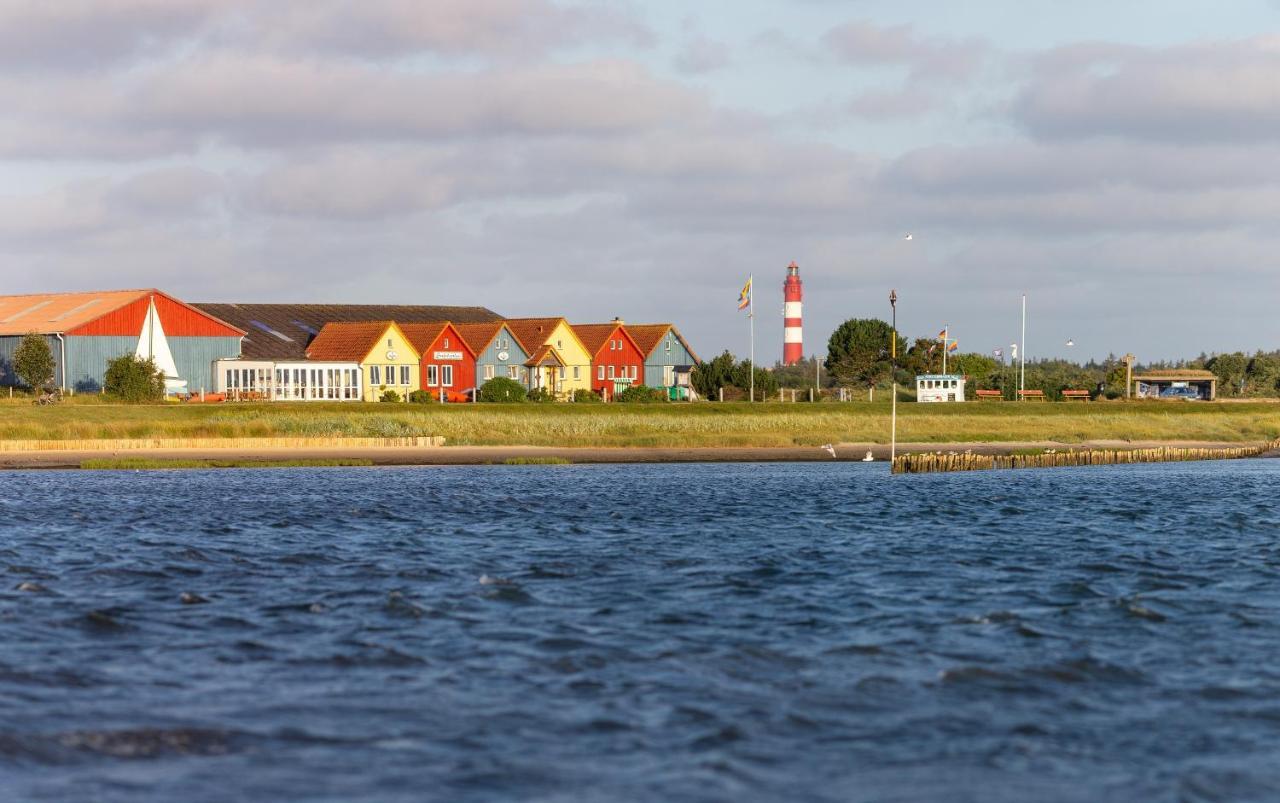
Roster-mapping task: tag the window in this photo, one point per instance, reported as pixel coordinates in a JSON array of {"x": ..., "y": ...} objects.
[
  {"x": 433, "y": 378},
  {"x": 446, "y": 342},
  {"x": 611, "y": 372},
  {"x": 562, "y": 372},
  {"x": 488, "y": 372},
  {"x": 576, "y": 372},
  {"x": 633, "y": 372},
  {"x": 446, "y": 376},
  {"x": 511, "y": 371},
  {"x": 668, "y": 375},
  {"x": 600, "y": 372},
  {"x": 375, "y": 375},
  {"x": 404, "y": 375},
  {"x": 668, "y": 343},
  {"x": 389, "y": 343},
  {"x": 560, "y": 345}
]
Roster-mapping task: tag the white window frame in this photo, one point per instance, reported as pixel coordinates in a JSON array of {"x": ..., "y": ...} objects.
[
  {"x": 405, "y": 378},
  {"x": 600, "y": 373},
  {"x": 446, "y": 376},
  {"x": 375, "y": 375},
  {"x": 433, "y": 376},
  {"x": 511, "y": 371},
  {"x": 488, "y": 372},
  {"x": 611, "y": 376}
]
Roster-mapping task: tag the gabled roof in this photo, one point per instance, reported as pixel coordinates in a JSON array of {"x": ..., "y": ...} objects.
[
  {"x": 533, "y": 332},
  {"x": 350, "y": 341},
  {"x": 423, "y": 335},
  {"x": 282, "y": 331},
  {"x": 648, "y": 335},
  {"x": 542, "y": 354},
  {"x": 595, "y": 335},
  {"x": 480, "y": 335},
  {"x": 47, "y": 313}
]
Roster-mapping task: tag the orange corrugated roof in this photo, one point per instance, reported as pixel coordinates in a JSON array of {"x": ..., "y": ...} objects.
[
  {"x": 648, "y": 335},
  {"x": 347, "y": 342},
  {"x": 57, "y": 312}
]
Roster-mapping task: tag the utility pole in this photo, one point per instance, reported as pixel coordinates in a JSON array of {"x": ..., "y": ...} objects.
[{"x": 893, "y": 368}]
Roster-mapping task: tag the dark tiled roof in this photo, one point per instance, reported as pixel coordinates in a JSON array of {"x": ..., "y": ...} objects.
[{"x": 283, "y": 331}]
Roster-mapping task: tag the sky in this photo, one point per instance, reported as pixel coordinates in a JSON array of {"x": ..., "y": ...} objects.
[{"x": 1119, "y": 163}]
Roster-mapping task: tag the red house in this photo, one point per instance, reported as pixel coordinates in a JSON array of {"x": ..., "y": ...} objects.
[
  {"x": 448, "y": 363},
  {"x": 616, "y": 360}
]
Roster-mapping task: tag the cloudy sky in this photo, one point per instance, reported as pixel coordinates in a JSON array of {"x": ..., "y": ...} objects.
[{"x": 1118, "y": 162}]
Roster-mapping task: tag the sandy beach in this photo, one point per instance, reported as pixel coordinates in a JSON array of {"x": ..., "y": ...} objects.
[{"x": 497, "y": 455}]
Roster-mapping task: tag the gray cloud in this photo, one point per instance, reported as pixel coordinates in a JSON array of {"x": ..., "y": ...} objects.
[
  {"x": 701, "y": 54},
  {"x": 863, "y": 43},
  {"x": 1204, "y": 92}
]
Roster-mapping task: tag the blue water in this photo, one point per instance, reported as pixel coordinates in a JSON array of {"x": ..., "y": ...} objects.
[{"x": 698, "y": 632}]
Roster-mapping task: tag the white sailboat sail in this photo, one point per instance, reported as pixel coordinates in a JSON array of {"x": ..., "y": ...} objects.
[{"x": 153, "y": 345}]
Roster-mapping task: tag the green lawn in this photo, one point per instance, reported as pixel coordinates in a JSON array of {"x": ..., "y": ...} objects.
[{"x": 735, "y": 424}]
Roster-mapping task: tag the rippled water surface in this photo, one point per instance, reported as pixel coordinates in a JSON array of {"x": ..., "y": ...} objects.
[{"x": 696, "y": 632}]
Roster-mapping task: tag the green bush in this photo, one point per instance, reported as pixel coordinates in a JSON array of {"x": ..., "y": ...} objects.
[
  {"x": 33, "y": 361},
  {"x": 640, "y": 394},
  {"x": 584, "y": 395},
  {"x": 502, "y": 389},
  {"x": 133, "y": 379},
  {"x": 540, "y": 395},
  {"x": 421, "y": 397},
  {"x": 389, "y": 396}
]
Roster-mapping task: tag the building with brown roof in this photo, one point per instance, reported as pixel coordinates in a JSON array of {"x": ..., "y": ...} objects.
[
  {"x": 574, "y": 373},
  {"x": 616, "y": 360},
  {"x": 499, "y": 353},
  {"x": 668, "y": 358},
  {"x": 386, "y": 357},
  {"x": 447, "y": 363}
]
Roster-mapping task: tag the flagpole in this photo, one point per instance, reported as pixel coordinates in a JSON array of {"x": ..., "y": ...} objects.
[
  {"x": 946, "y": 346},
  {"x": 751, "y": 317},
  {"x": 1022, "y": 353},
  {"x": 893, "y": 373}
]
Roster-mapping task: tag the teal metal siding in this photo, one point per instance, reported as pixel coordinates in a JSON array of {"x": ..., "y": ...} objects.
[
  {"x": 661, "y": 358},
  {"x": 87, "y": 359},
  {"x": 515, "y": 356},
  {"x": 9, "y": 345},
  {"x": 194, "y": 357}
]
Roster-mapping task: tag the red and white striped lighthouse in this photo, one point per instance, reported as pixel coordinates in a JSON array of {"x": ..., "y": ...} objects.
[{"x": 792, "y": 340}]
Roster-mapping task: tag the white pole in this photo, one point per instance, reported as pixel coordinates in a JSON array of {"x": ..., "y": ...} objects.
[
  {"x": 1022, "y": 352},
  {"x": 751, "y": 316},
  {"x": 946, "y": 344}
]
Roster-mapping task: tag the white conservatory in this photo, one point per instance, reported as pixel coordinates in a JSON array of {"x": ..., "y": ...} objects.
[
  {"x": 301, "y": 380},
  {"x": 940, "y": 388}
]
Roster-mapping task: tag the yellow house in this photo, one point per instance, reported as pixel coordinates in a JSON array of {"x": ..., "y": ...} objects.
[
  {"x": 387, "y": 360},
  {"x": 574, "y": 371}
]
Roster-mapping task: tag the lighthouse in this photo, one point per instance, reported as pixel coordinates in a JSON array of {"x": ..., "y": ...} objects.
[{"x": 792, "y": 340}]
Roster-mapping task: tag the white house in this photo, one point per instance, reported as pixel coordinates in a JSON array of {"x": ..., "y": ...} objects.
[{"x": 940, "y": 388}]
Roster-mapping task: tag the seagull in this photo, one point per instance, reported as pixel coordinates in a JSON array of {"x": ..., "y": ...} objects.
[
  {"x": 868, "y": 458},
  {"x": 908, "y": 237},
  {"x": 831, "y": 450},
  {"x": 1071, "y": 342}
]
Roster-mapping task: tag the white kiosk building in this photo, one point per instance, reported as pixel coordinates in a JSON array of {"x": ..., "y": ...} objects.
[{"x": 940, "y": 388}]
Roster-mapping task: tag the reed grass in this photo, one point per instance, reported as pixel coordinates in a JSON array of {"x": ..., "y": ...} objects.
[{"x": 597, "y": 425}]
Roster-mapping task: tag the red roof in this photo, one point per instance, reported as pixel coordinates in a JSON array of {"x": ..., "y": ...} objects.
[
  {"x": 532, "y": 332},
  {"x": 347, "y": 342},
  {"x": 595, "y": 335},
  {"x": 541, "y": 354},
  {"x": 480, "y": 335},
  {"x": 648, "y": 335}
]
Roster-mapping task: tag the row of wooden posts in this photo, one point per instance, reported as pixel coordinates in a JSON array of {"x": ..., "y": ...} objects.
[{"x": 930, "y": 462}]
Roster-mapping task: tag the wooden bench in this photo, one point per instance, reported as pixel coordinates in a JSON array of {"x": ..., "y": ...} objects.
[
  {"x": 1031, "y": 395},
  {"x": 989, "y": 395},
  {"x": 1075, "y": 395}
]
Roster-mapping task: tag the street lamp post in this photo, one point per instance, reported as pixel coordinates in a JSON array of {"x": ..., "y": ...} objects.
[{"x": 893, "y": 374}]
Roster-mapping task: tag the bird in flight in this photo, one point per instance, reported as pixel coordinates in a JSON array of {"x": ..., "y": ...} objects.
[{"x": 908, "y": 237}]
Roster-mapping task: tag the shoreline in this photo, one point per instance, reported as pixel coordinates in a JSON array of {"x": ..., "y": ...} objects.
[{"x": 498, "y": 455}]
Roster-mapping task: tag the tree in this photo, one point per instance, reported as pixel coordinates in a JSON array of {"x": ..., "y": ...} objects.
[
  {"x": 502, "y": 389},
  {"x": 1230, "y": 369},
  {"x": 1263, "y": 375},
  {"x": 33, "y": 361},
  {"x": 978, "y": 367},
  {"x": 765, "y": 383},
  {"x": 858, "y": 352},
  {"x": 133, "y": 379},
  {"x": 708, "y": 377},
  {"x": 923, "y": 357}
]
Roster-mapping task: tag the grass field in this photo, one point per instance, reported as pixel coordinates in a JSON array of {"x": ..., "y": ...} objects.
[{"x": 714, "y": 425}]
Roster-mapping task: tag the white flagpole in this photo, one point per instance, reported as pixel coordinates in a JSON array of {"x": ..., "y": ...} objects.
[
  {"x": 1022, "y": 350},
  {"x": 946, "y": 346},
  {"x": 751, "y": 317}
]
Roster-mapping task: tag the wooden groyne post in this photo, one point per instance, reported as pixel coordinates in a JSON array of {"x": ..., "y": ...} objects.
[{"x": 930, "y": 462}]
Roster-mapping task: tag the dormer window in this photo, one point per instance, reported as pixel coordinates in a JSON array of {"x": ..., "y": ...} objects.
[
  {"x": 389, "y": 343},
  {"x": 446, "y": 342}
]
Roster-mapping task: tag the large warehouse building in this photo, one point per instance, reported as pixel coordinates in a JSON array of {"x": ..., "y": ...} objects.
[{"x": 85, "y": 330}]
